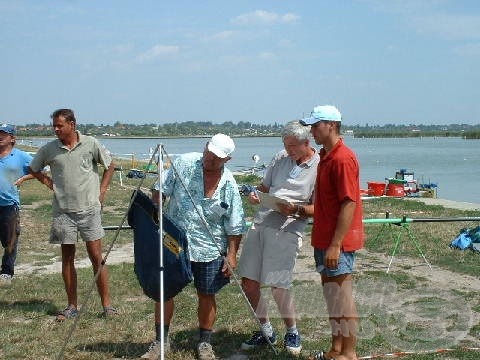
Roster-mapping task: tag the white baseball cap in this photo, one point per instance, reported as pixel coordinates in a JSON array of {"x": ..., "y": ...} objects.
[
  {"x": 221, "y": 145},
  {"x": 322, "y": 112}
]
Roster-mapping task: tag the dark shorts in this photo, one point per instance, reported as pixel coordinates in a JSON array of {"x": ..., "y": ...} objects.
[
  {"x": 208, "y": 277},
  {"x": 345, "y": 263}
]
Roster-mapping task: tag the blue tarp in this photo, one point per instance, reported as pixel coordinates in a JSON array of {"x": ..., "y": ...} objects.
[
  {"x": 143, "y": 218},
  {"x": 467, "y": 239}
]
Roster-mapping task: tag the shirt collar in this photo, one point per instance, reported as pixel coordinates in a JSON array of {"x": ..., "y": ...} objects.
[
  {"x": 323, "y": 153},
  {"x": 80, "y": 138}
]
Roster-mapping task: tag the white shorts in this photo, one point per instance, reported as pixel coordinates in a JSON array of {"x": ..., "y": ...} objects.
[{"x": 269, "y": 256}]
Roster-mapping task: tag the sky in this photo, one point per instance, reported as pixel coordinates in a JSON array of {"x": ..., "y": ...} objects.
[{"x": 151, "y": 61}]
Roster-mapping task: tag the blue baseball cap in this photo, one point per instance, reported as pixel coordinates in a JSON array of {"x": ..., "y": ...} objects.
[
  {"x": 322, "y": 112},
  {"x": 9, "y": 129}
]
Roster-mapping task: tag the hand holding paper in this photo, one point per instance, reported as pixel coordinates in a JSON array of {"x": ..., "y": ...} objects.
[{"x": 270, "y": 201}]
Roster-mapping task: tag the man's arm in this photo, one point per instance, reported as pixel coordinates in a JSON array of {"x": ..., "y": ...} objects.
[
  {"x": 233, "y": 245},
  {"x": 106, "y": 178},
  {"x": 253, "y": 196},
  {"x": 42, "y": 177},
  {"x": 20, "y": 180},
  {"x": 305, "y": 210},
  {"x": 344, "y": 221}
]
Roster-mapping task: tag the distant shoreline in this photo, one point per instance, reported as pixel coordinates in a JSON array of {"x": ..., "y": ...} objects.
[{"x": 149, "y": 137}]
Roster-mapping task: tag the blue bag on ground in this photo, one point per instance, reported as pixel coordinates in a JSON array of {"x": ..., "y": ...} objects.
[
  {"x": 143, "y": 218},
  {"x": 467, "y": 239}
]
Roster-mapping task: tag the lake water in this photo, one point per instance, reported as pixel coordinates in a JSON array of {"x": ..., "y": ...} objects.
[{"x": 451, "y": 163}]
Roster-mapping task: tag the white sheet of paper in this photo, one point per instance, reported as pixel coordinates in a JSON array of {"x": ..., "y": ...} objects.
[{"x": 270, "y": 201}]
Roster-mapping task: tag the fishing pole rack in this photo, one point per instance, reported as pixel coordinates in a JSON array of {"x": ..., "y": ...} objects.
[{"x": 404, "y": 228}]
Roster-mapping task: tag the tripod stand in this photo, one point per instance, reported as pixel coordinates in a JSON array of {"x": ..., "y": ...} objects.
[{"x": 403, "y": 224}]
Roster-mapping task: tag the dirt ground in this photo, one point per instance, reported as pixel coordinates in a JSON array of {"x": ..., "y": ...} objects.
[
  {"x": 437, "y": 297},
  {"x": 417, "y": 306}
]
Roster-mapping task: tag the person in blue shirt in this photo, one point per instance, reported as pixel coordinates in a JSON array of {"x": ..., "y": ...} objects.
[
  {"x": 13, "y": 171},
  {"x": 205, "y": 202}
]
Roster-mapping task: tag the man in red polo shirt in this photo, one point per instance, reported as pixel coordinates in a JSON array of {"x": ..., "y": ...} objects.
[{"x": 337, "y": 228}]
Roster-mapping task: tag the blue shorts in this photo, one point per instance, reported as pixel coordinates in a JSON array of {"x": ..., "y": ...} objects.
[
  {"x": 208, "y": 277},
  {"x": 345, "y": 263}
]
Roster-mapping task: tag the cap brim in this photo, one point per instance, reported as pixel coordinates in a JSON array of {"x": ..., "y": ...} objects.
[{"x": 309, "y": 121}]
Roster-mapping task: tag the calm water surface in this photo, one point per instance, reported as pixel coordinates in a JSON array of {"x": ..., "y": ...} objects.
[{"x": 452, "y": 163}]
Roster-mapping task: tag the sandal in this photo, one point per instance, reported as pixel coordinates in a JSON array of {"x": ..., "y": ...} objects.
[
  {"x": 109, "y": 311},
  {"x": 320, "y": 355},
  {"x": 67, "y": 313}
]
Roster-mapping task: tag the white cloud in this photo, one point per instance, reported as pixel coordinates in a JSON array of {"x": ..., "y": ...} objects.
[
  {"x": 265, "y": 17},
  {"x": 158, "y": 51}
]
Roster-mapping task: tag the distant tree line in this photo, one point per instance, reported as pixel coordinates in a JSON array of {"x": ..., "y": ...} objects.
[{"x": 192, "y": 128}]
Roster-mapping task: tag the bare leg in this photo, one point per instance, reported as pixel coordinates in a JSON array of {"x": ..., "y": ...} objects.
[
  {"x": 94, "y": 249},
  {"x": 254, "y": 296},
  {"x": 168, "y": 308},
  {"x": 343, "y": 316},
  {"x": 285, "y": 304},
  {"x": 69, "y": 273},
  {"x": 207, "y": 311}
]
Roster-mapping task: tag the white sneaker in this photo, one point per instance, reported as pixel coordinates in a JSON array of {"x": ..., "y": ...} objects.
[
  {"x": 205, "y": 351},
  {"x": 5, "y": 279},
  {"x": 154, "y": 350}
]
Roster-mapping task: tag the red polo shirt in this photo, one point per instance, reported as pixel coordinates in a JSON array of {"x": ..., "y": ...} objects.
[{"x": 338, "y": 178}]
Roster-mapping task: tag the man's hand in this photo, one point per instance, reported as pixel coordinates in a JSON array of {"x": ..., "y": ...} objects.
[
  {"x": 232, "y": 261},
  {"x": 253, "y": 198},
  {"x": 287, "y": 209},
  {"x": 43, "y": 178},
  {"x": 102, "y": 197},
  {"x": 332, "y": 255}
]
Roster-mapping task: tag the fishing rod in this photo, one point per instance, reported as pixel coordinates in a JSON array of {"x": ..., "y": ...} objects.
[
  {"x": 399, "y": 354},
  {"x": 406, "y": 220},
  {"x": 394, "y": 221}
]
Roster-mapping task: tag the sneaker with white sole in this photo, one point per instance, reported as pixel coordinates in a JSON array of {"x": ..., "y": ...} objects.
[
  {"x": 5, "y": 279},
  {"x": 155, "y": 349},
  {"x": 205, "y": 351},
  {"x": 292, "y": 343},
  {"x": 258, "y": 339}
]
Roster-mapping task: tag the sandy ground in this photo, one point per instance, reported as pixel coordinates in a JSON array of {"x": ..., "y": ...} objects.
[
  {"x": 448, "y": 203},
  {"x": 125, "y": 253}
]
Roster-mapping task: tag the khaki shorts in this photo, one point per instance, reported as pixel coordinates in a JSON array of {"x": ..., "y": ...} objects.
[
  {"x": 66, "y": 227},
  {"x": 269, "y": 256}
]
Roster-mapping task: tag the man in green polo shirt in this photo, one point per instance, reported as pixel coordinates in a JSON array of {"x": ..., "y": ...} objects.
[{"x": 77, "y": 199}]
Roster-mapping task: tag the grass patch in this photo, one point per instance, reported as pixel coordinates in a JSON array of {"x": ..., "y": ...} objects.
[{"x": 386, "y": 301}]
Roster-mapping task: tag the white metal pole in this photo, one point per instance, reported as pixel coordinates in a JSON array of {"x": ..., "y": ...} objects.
[{"x": 160, "y": 238}]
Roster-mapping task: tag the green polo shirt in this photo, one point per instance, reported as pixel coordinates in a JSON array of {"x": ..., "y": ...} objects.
[{"x": 76, "y": 183}]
